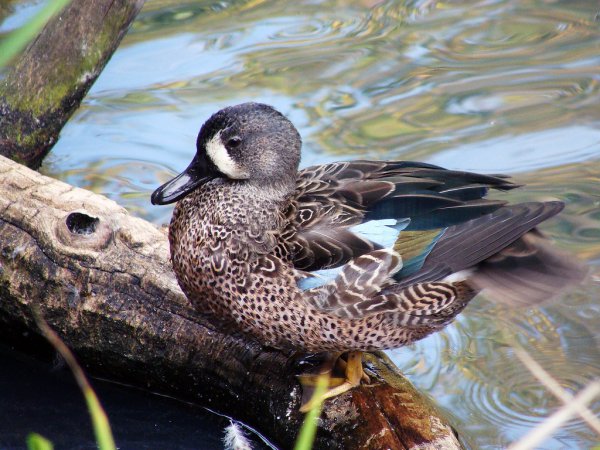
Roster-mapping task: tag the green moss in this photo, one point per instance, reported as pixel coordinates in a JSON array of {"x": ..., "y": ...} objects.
[
  {"x": 45, "y": 87},
  {"x": 42, "y": 91}
]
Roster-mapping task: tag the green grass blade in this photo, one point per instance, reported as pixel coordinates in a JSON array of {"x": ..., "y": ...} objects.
[
  {"x": 102, "y": 430},
  {"x": 38, "y": 442},
  {"x": 308, "y": 431},
  {"x": 16, "y": 41}
]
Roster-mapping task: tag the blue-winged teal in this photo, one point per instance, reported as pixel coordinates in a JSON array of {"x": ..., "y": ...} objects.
[{"x": 248, "y": 228}]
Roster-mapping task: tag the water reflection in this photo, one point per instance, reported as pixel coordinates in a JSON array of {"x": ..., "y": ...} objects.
[{"x": 494, "y": 86}]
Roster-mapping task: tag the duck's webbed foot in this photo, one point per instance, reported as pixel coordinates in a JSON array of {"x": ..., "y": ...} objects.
[{"x": 351, "y": 369}]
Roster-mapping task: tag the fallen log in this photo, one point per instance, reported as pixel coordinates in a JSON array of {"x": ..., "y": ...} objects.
[
  {"x": 48, "y": 81},
  {"x": 102, "y": 279}
]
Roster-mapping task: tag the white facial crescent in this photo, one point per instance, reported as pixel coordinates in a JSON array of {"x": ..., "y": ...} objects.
[{"x": 219, "y": 155}]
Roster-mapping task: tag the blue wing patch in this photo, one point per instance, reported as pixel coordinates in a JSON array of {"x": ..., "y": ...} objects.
[{"x": 384, "y": 232}]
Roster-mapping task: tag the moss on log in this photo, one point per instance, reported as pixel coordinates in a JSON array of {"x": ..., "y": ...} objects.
[{"x": 49, "y": 80}]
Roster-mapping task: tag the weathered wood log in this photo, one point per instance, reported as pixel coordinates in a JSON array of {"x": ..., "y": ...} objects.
[
  {"x": 102, "y": 279},
  {"x": 48, "y": 82}
]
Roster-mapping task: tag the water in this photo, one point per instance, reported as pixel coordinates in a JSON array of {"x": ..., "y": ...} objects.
[
  {"x": 43, "y": 397},
  {"x": 492, "y": 86}
]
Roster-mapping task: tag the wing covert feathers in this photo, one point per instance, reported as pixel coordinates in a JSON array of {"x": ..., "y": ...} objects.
[
  {"x": 360, "y": 280},
  {"x": 365, "y": 287},
  {"x": 331, "y": 198}
]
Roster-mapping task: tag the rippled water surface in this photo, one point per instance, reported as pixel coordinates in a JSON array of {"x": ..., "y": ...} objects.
[{"x": 492, "y": 86}]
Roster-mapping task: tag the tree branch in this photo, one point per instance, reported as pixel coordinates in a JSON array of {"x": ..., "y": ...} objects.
[{"x": 48, "y": 82}]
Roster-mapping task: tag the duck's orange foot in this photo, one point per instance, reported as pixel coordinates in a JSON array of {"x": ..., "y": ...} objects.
[{"x": 354, "y": 373}]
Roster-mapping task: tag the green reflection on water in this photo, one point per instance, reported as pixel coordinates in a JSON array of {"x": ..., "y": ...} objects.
[{"x": 485, "y": 85}]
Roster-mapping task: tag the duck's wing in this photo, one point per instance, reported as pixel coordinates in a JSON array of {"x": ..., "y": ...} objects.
[
  {"x": 357, "y": 282},
  {"x": 365, "y": 287},
  {"x": 333, "y": 201},
  {"x": 505, "y": 254},
  {"x": 501, "y": 252}
]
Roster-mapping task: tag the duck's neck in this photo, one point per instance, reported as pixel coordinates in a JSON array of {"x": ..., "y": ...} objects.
[
  {"x": 235, "y": 205},
  {"x": 273, "y": 193}
]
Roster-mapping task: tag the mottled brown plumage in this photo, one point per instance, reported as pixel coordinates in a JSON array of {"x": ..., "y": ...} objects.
[
  {"x": 248, "y": 227},
  {"x": 231, "y": 274}
]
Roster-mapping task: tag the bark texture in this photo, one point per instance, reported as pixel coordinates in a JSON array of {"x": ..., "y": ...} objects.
[
  {"x": 49, "y": 80},
  {"x": 102, "y": 279}
]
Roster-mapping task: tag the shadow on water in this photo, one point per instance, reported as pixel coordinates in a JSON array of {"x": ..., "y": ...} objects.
[
  {"x": 44, "y": 398},
  {"x": 493, "y": 86}
]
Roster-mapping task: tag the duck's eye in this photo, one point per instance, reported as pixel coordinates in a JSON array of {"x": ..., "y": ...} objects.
[{"x": 234, "y": 142}]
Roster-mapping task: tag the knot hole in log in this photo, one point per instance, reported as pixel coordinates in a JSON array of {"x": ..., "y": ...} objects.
[
  {"x": 82, "y": 230},
  {"x": 80, "y": 223}
]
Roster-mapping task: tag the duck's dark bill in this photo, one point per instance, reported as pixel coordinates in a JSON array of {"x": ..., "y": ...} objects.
[{"x": 178, "y": 187}]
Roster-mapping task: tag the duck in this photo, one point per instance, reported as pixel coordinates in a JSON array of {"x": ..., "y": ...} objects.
[{"x": 294, "y": 259}]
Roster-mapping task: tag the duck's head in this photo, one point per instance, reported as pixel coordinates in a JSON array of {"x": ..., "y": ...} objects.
[{"x": 249, "y": 143}]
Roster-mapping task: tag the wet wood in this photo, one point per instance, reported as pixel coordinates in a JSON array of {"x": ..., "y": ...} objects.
[
  {"x": 48, "y": 81},
  {"x": 102, "y": 279}
]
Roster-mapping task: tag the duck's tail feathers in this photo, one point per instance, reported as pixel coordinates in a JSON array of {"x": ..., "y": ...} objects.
[
  {"x": 528, "y": 272},
  {"x": 504, "y": 254}
]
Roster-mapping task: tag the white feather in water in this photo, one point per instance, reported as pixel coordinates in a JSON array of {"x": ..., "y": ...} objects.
[{"x": 235, "y": 438}]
